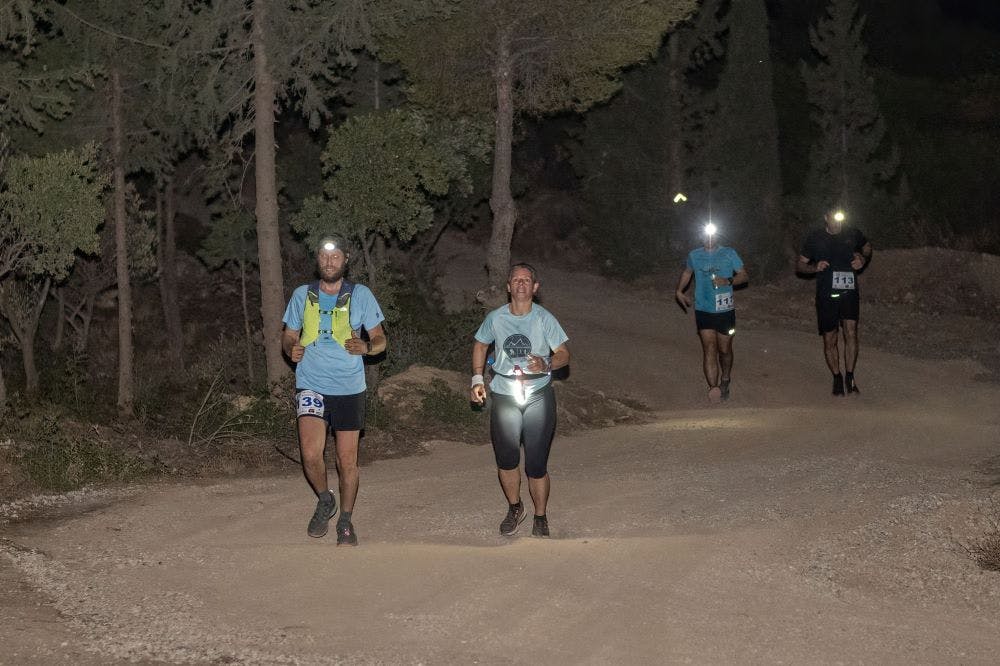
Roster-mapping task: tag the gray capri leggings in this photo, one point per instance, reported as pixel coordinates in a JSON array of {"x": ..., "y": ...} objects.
[{"x": 532, "y": 424}]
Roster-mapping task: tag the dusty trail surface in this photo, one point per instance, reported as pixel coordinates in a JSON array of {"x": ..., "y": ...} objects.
[{"x": 786, "y": 526}]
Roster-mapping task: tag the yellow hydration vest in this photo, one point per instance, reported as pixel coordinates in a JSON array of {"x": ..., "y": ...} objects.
[{"x": 340, "y": 316}]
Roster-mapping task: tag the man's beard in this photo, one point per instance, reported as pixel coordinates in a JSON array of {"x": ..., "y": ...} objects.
[{"x": 330, "y": 274}]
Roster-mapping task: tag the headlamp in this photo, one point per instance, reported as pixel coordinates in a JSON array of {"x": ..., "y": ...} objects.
[
  {"x": 332, "y": 243},
  {"x": 710, "y": 229},
  {"x": 839, "y": 216}
]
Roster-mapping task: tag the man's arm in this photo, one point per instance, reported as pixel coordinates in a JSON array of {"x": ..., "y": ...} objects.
[
  {"x": 682, "y": 285},
  {"x": 862, "y": 258},
  {"x": 290, "y": 344},
  {"x": 375, "y": 344},
  {"x": 804, "y": 266},
  {"x": 741, "y": 277}
]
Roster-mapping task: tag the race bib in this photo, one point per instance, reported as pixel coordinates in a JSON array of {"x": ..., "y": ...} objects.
[
  {"x": 843, "y": 280},
  {"x": 309, "y": 403},
  {"x": 724, "y": 301}
]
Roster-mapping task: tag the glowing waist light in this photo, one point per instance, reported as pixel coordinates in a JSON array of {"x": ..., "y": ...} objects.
[{"x": 521, "y": 394}]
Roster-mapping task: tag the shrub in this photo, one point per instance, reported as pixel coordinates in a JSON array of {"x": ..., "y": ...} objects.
[{"x": 55, "y": 458}]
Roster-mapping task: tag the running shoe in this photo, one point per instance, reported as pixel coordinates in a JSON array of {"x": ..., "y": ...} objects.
[
  {"x": 724, "y": 387},
  {"x": 838, "y": 385},
  {"x": 850, "y": 385},
  {"x": 515, "y": 516},
  {"x": 346, "y": 536},
  {"x": 325, "y": 510},
  {"x": 541, "y": 527},
  {"x": 715, "y": 395}
]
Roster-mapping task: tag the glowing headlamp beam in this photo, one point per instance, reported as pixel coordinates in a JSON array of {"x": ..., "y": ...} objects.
[
  {"x": 710, "y": 229},
  {"x": 839, "y": 216},
  {"x": 329, "y": 246}
]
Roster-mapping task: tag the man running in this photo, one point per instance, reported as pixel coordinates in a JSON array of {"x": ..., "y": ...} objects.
[
  {"x": 716, "y": 269},
  {"x": 835, "y": 254},
  {"x": 529, "y": 345},
  {"x": 323, "y": 321}
]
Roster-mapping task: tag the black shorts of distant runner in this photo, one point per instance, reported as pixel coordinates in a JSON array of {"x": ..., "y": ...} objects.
[
  {"x": 723, "y": 322},
  {"x": 835, "y": 308}
]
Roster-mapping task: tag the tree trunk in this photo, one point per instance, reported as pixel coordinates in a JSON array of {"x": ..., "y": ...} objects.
[
  {"x": 3, "y": 390},
  {"x": 246, "y": 320},
  {"x": 268, "y": 241},
  {"x": 675, "y": 147},
  {"x": 26, "y": 336},
  {"x": 167, "y": 260},
  {"x": 86, "y": 318},
  {"x": 501, "y": 200},
  {"x": 126, "y": 380},
  {"x": 57, "y": 343}
]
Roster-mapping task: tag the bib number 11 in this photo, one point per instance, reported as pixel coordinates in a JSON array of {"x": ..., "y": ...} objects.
[{"x": 724, "y": 301}]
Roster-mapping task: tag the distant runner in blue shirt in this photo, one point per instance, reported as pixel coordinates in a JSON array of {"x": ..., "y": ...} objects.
[
  {"x": 716, "y": 269},
  {"x": 528, "y": 345},
  {"x": 322, "y": 336}
]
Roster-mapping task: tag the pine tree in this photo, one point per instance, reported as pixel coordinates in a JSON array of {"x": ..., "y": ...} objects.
[
  {"x": 122, "y": 38},
  {"x": 506, "y": 58},
  {"x": 256, "y": 58},
  {"x": 852, "y": 162},
  {"x": 746, "y": 193}
]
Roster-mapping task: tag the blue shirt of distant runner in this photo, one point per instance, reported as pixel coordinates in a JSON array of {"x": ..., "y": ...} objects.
[{"x": 721, "y": 262}]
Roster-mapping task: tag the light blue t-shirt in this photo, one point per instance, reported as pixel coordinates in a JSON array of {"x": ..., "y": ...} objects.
[
  {"x": 516, "y": 336},
  {"x": 721, "y": 262},
  {"x": 326, "y": 367}
]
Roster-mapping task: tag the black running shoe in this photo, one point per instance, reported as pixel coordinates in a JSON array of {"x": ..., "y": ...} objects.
[
  {"x": 850, "y": 385},
  {"x": 724, "y": 387},
  {"x": 346, "y": 536},
  {"x": 318, "y": 524},
  {"x": 515, "y": 516},
  {"x": 838, "y": 385},
  {"x": 541, "y": 527}
]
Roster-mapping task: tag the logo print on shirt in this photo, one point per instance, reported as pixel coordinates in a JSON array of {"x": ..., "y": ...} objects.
[{"x": 517, "y": 345}]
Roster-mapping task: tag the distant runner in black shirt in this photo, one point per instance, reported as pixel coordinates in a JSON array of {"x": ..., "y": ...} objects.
[{"x": 835, "y": 254}]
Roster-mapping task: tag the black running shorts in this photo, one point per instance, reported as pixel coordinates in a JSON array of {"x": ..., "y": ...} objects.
[
  {"x": 341, "y": 412},
  {"x": 838, "y": 307},
  {"x": 723, "y": 322}
]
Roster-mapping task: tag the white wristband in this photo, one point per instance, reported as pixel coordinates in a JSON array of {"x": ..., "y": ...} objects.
[{"x": 476, "y": 380}]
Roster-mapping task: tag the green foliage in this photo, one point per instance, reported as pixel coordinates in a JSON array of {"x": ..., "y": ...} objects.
[
  {"x": 50, "y": 208},
  {"x": 56, "y": 458},
  {"x": 424, "y": 334},
  {"x": 852, "y": 163},
  {"x": 382, "y": 172},
  {"x": 440, "y": 404},
  {"x": 568, "y": 54},
  {"x": 626, "y": 153},
  {"x": 231, "y": 239}
]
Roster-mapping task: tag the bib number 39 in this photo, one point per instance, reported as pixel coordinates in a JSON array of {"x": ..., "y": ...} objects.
[{"x": 309, "y": 403}]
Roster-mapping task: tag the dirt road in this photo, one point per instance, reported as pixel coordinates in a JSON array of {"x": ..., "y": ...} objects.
[{"x": 786, "y": 526}]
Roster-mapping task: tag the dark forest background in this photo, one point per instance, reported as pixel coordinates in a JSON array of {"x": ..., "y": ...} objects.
[{"x": 166, "y": 166}]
